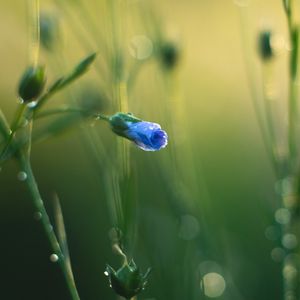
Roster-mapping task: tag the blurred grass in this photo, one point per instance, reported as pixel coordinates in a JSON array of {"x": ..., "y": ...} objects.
[{"x": 228, "y": 184}]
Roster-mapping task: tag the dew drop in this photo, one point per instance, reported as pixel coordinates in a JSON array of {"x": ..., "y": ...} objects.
[
  {"x": 32, "y": 104},
  {"x": 54, "y": 258},
  {"x": 106, "y": 273},
  {"x": 37, "y": 216},
  {"x": 22, "y": 176}
]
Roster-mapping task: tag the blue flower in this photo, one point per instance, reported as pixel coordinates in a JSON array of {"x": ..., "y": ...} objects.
[{"x": 147, "y": 136}]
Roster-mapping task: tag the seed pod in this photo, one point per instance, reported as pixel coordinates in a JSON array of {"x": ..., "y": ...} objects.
[
  {"x": 32, "y": 83},
  {"x": 169, "y": 54},
  {"x": 264, "y": 45},
  {"x": 127, "y": 281},
  {"x": 49, "y": 30}
]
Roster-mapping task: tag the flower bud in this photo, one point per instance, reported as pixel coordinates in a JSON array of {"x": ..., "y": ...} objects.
[
  {"x": 120, "y": 123},
  {"x": 127, "y": 281},
  {"x": 147, "y": 136},
  {"x": 49, "y": 30},
  {"x": 264, "y": 45},
  {"x": 169, "y": 55},
  {"x": 32, "y": 83}
]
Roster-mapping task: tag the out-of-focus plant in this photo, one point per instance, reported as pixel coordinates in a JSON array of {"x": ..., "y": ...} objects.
[
  {"x": 17, "y": 139},
  {"x": 283, "y": 149}
]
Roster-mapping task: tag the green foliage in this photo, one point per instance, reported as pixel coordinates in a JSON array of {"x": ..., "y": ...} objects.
[{"x": 77, "y": 72}]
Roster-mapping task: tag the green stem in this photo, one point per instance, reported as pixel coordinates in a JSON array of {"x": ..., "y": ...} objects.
[
  {"x": 4, "y": 127},
  {"x": 25, "y": 165},
  {"x": 68, "y": 110},
  {"x": 254, "y": 94},
  {"x": 56, "y": 111},
  {"x": 291, "y": 282},
  {"x": 14, "y": 126},
  {"x": 292, "y": 111},
  {"x": 35, "y": 32}
]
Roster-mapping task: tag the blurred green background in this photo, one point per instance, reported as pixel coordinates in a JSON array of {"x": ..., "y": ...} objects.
[{"x": 205, "y": 211}]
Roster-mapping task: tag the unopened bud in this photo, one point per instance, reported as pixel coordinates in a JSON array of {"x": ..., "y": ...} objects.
[{"x": 32, "y": 83}]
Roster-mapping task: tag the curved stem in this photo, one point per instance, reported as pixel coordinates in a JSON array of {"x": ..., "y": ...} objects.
[
  {"x": 25, "y": 165},
  {"x": 55, "y": 111},
  {"x": 67, "y": 110}
]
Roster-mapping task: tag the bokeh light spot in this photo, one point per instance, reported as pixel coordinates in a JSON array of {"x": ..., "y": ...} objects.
[
  {"x": 140, "y": 47},
  {"x": 289, "y": 241},
  {"x": 282, "y": 216},
  {"x": 213, "y": 285}
]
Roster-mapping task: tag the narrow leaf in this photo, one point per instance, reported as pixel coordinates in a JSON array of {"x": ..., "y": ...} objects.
[{"x": 61, "y": 232}]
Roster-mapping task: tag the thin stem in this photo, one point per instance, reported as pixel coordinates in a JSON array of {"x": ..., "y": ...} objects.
[
  {"x": 68, "y": 110},
  {"x": 25, "y": 165},
  {"x": 35, "y": 32},
  {"x": 269, "y": 119},
  {"x": 56, "y": 111},
  {"x": 292, "y": 114},
  {"x": 291, "y": 282},
  {"x": 254, "y": 95}
]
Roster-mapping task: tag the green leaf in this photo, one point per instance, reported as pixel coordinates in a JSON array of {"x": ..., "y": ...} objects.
[
  {"x": 78, "y": 71},
  {"x": 56, "y": 85},
  {"x": 63, "y": 81}
]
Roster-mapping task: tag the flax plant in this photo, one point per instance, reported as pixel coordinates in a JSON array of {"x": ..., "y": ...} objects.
[
  {"x": 117, "y": 73},
  {"x": 283, "y": 149},
  {"x": 19, "y": 135}
]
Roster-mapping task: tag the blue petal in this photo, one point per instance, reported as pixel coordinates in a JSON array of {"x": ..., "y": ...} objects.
[{"x": 147, "y": 136}]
